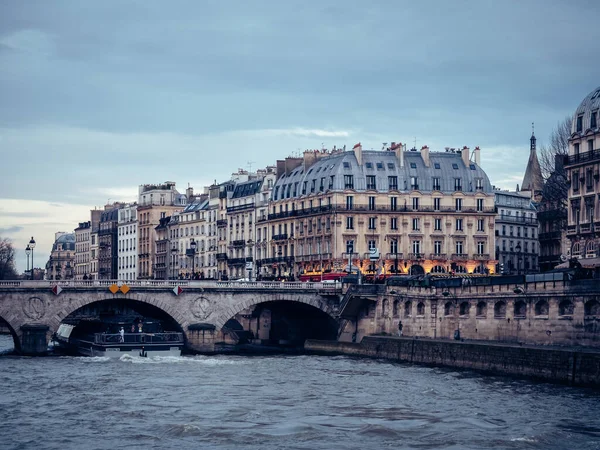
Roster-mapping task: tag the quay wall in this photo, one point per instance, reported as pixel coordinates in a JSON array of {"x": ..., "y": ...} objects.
[{"x": 567, "y": 366}]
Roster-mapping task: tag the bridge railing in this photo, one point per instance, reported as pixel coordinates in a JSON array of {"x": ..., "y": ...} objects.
[{"x": 169, "y": 284}]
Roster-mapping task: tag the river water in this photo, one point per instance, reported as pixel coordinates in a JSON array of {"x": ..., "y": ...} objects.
[{"x": 272, "y": 402}]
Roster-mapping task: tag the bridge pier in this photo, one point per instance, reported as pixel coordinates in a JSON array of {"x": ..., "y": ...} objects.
[
  {"x": 34, "y": 339},
  {"x": 201, "y": 338}
]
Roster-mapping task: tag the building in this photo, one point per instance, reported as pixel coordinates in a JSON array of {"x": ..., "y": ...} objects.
[
  {"x": 108, "y": 242},
  {"x": 82, "y": 250},
  {"x": 163, "y": 250},
  {"x": 94, "y": 251},
  {"x": 391, "y": 211},
  {"x": 517, "y": 246},
  {"x": 155, "y": 202},
  {"x": 533, "y": 182},
  {"x": 583, "y": 175},
  {"x": 127, "y": 243},
  {"x": 61, "y": 264}
]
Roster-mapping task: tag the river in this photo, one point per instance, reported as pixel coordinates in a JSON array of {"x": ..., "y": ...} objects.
[{"x": 271, "y": 402}]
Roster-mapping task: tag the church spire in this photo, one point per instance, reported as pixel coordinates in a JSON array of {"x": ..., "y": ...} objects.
[
  {"x": 533, "y": 181},
  {"x": 532, "y": 140}
]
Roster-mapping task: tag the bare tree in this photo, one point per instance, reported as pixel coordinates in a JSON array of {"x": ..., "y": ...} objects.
[
  {"x": 551, "y": 158},
  {"x": 7, "y": 260}
]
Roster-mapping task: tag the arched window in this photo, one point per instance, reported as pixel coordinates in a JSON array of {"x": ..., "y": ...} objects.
[
  {"x": 565, "y": 308},
  {"x": 449, "y": 309},
  {"x": 541, "y": 308},
  {"x": 500, "y": 310},
  {"x": 590, "y": 250},
  {"x": 592, "y": 308},
  {"x": 460, "y": 269},
  {"x": 384, "y": 307},
  {"x": 407, "y": 309},
  {"x": 520, "y": 309},
  {"x": 416, "y": 269},
  {"x": 420, "y": 309},
  {"x": 465, "y": 307},
  {"x": 395, "y": 308},
  {"x": 480, "y": 269},
  {"x": 438, "y": 269},
  {"x": 576, "y": 250},
  {"x": 481, "y": 309}
]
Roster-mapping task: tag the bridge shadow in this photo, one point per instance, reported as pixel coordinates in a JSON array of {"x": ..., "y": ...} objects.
[{"x": 7, "y": 330}]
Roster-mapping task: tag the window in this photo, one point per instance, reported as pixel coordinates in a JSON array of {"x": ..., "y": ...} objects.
[
  {"x": 480, "y": 248},
  {"x": 349, "y": 202},
  {"x": 459, "y": 225},
  {"x": 371, "y": 203},
  {"x": 371, "y": 244},
  {"x": 415, "y": 224},
  {"x": 458, "y": 204},
  {"x": 371, "y": 182},
  {"x": 437, "y": 224},
  {"x": 436, "y": 184},
  {"x": 416, "y": 247},
  {"x": 480, "y": 225},
  {"x": 593, "y": 119},
  {"x": 350, "y": 246},
  {"x": 415, "y": 203},
  {"x": 472, "y": 166},
  {"x": 369, "y": 165},
  {"x": 580, "y": 123},
  {"x": 350, "y": 223},
  {"x": 413, "y": 165},
  {"x": 393, "y": 203},
  {"x": 393, "y": 183},
  {"x": 479, "y": 204},
  {"x": 394, "y": 223},
  {"x": 591, "y": 145},
  {"x": 391, "y": 166},
  {"x": 457, "y": 184},
  {"x": 312, "y": 185},
  {"x": 437, "y": 247},
  {"x": 436, "y": 204},
  {"x": 348, "y": 182},
  {"x": 414, "y": 183},
  {"x": 372, "y": 221},
  {"x": 331, "y": 179},
  {"x": 394, "y": 246},
  {"x": 455, "y": 166},
  {"x": 304, "y": 184},
  {"x": 379, "y": 166},
  {"x": 321, "y": 186},
  {"x": 459, "y": 247},
  {"x": 589, "y": 180},
  {"x": 575, "y": 181},
  {"x": 346, "y": 165},
  {"x": 436, "y": 166}
]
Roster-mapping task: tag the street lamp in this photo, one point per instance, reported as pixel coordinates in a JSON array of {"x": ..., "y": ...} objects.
[
  {"x": 193, "y": 245},
  {"x": 32, "y": 246},
  {"x": 173, "y": 258},
  {"x": 28, "y": 252},
  {"x": 518, "y": 249}
]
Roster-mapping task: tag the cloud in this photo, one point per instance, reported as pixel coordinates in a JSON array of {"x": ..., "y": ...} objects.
[{"x": 10, "y": 230}]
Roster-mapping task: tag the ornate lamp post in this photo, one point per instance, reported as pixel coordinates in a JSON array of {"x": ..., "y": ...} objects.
[
  {"x": 193, "y": 245},
  {"x": 173, "y": 259},
  {"x": 32, "y": 246},
  {"x": 28, "y": 252},
  {"x": 518, "y": 249}
]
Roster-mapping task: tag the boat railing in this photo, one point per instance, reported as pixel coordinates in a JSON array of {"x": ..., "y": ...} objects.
[{"x": 139, "y": 338}]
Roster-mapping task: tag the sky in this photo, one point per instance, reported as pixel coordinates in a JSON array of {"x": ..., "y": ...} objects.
[{"x": 100, "y": 97}]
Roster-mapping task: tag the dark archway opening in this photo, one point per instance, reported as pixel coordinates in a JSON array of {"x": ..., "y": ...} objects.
[{"x": 8, "y": 341}]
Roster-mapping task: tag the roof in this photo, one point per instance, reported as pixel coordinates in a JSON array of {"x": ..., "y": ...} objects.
[
  {"x": 532, "y": 180},
  {"x": 590, "y": 103},
  {"x": 196, "y": 205},
  {"x": 247, "y": 188},
  {"x": 443, "y": 165}
]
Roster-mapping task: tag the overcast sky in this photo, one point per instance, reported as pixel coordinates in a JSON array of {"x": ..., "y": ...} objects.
[{"x": 99, "y": 97}]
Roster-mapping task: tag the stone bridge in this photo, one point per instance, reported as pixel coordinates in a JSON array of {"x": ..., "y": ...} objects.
[{"x": 33, "y": 310}]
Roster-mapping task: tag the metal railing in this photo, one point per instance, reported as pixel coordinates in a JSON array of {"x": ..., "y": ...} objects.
[{"x": 139, "y": 338}]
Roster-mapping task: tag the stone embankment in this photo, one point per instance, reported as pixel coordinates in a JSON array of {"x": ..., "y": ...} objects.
[{"x": 572, "y": 366}]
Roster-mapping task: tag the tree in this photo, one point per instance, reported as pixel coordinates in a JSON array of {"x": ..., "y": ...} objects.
[
  {"x": 551, "y": 158},
  {"x": 7, "y": 260}
]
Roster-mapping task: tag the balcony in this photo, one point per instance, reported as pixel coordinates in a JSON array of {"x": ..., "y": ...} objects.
[
  {"x": 460, "y": 257},
  {"x": 280, "y": 237},
  {"x": 394, "y": 256},
  {"x": 238, "y": 261},
  {"x": 438, "y": 256},
  {"x": 416, "y": 256},
  {"x": 481, "y": 256},
  {"x": 572, "y": 230},
  {"x": 232, "y": 209},
  {"x": 221, "y": 256},
  {"x": 516, "y": 219},
  {"x": 221, "y": 223},
  {"x": 593, "y": 155},
  {"x": 238, "y": 243},
  {"x": 319, "y": 257},
  {"x": 585, "y": 228}
]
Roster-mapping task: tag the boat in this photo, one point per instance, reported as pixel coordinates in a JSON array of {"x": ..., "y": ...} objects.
[{"x": 85, "y": 340}]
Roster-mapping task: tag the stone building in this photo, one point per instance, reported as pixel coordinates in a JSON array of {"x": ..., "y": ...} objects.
[
  {"x": 583, "y": 168},
  {"x": 82, "y": 250},
  {"x": 94, "y": 251},
  {"x": 127, "y": 242},
  {"x": 155, "y": 202},
  {"x": 517, "y": 246},
  {"x": 533, "y": 182},
  {"x": 163, "y": 250},
  {"x": 61, "y": 264},
  {"x": 391, "y": 211}
]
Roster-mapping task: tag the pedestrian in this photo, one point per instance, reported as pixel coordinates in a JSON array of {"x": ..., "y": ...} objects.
[
  {"x": 400, "y": 328},
  {"x": 140, "y": 327},
  {"x": 121, "y": 335},
  {"x": 133, "y": 327}
]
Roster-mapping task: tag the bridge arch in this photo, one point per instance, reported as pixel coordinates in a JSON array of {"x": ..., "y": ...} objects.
[{"x": 13, "y": 332}]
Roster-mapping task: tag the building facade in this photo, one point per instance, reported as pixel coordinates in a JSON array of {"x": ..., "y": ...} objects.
[
  {"x": 82, "y": 250},
  {"x": 61, "y": 264},
  {"x": 517, "y": 245},
  {"x": 382, "y": 212},
  {"x": 108, "y": 243},
  {"x": 583, "y": 177},
  {"x": 127, "y": 243}
]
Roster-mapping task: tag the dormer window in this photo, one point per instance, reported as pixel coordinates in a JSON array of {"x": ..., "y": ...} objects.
[
  {"x": 436, "y": 166},
  {"x": 346, "y": 165},
  {"x": 379, "y": 166},
  {"x": 455, "y": 166},
  {"x": 369, "y": 165},
  {"x": 413, "y": 165},
  {"x": 593, "y": 123},
  {"x": 580, "y": 123},
  {"x": 391, "y": 166}
]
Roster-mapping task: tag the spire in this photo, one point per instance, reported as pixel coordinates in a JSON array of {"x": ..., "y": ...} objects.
[{"x": 533, "y": 181}]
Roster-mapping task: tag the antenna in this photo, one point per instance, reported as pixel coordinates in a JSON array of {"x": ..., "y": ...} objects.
[
  {"x": 532, "y": 128},
  {"x": 415, "y": 142},
  {"x": 384, "y": 146},
  {"x": 250, "y": 165}
]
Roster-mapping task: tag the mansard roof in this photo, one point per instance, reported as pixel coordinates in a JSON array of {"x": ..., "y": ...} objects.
[
  {"x": 247, "y": 188},
  {"x": 591, "y": 103},
  {"x": 443, "y": 165}
]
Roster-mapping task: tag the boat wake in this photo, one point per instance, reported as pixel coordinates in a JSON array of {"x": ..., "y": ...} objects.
[{"x": 205, "y": 360}]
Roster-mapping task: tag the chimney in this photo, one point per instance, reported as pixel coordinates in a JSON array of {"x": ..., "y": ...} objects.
[
  {"x": 559, "y": 163},
  {"x": 189, "y": 192},
  {"x": 425, "y": 155},
  {"x": 477, "y": 156},
  {"x": 398, "y": 149},
  {"x": 358, "y": 153},
  {"x": 465, "y": 155}
]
